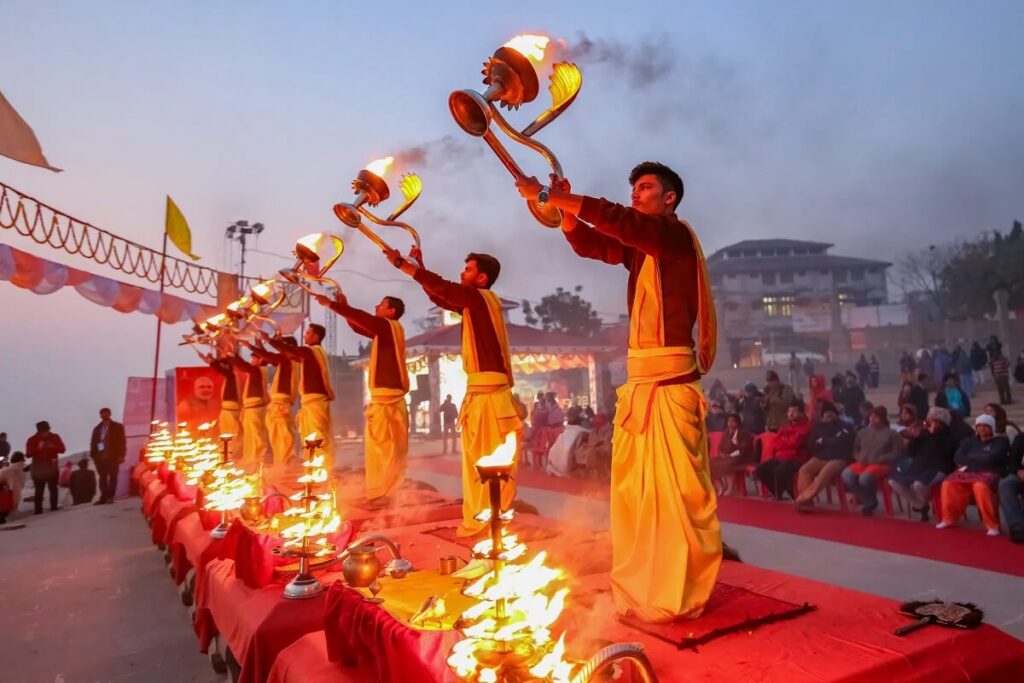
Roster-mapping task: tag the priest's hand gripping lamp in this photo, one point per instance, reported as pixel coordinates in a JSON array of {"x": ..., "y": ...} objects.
[{"x": 511, "y": 80}]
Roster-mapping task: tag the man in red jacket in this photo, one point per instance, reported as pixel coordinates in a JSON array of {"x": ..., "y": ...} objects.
[
  {"x": 42, "y": 449},
  {"x": 790, "y": 452}
]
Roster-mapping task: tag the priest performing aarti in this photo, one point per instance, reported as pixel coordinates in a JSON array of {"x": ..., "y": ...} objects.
[
  {"x": 488, "y": 414},
  {"x": 666, "y": 539},
  {"x": 229, "y": 420},
  {"x": 255, "y": 443},
  {"x": 315, "y": 388},
  {"x": 387, "y": 415},
  {"x": 283, "y": 390}
]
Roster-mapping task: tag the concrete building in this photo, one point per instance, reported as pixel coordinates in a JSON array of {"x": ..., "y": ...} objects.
[{"x": 778, "y": 295}]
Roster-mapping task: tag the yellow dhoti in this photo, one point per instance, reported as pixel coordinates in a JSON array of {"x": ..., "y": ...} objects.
[
  {"x": 229, "y": 421},
  {"x": 666, "y": 539},
  {"x": 488, "y": 415},
  {"x": 281, "y": 430},
  {"x": 386, "y": 442},
  {"x": 254, "y": 430},
  {"x": 315, "y": 416}
]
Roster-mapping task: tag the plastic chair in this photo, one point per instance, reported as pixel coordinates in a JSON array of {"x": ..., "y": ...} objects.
[{"x": 765, "y": 443}]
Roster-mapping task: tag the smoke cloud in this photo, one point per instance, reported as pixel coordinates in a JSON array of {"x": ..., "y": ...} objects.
[
  {"x": 643, "y": 64},
  {"x": 440, "y": 152}
]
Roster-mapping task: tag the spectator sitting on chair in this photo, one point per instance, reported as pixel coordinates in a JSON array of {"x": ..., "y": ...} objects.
[
  {"x": 875, "y": 449},
  {"x": 863, "y": 416},
  {"x": 561, "y": 459},
  {"x": 777, "y": 474},
  {"x": 953, "y": 398},
  {"x": 83, "y": 483},
  {"x": 980, "y": 460},
  {"x": 831, "y": 447},
  {"x": 13, "y": 477},
  {"x": 1011, "y": 491},
  {"x": 906, "y": 419},
  {"x": 852, "y": 396},
  {"x": 929, "y": 458},
  {"x": 1004, "y": 425},
  {"x": 819, "y": 396},
  {"x": 597, "y": 451},
  {"x": 735, "y": 452}
]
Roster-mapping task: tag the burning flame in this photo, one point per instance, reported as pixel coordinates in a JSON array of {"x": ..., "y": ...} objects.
[
  {"x": 379, "y": 167},
  {"x": 503, "y": 455},
  {"x": 530, "y": 45},
  {"x": 310, "y": 243}
]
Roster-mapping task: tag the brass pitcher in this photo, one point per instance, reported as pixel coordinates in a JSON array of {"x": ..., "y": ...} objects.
[{"x": 361, "y": 567}]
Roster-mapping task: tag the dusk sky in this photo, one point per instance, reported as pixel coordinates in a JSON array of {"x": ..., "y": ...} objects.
[{"x": 879, "y": 127}]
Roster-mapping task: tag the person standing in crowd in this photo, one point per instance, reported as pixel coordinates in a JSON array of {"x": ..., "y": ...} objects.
[
  {"x": 449, "y": 418},
  {"x": 43, "y": 449},
  {"x": 1011, "y": 491},
  {"x": 735, "y": 453},
  {"x": 979, "y": 361},
  {"x": 874, "y": 450},
  {"x": 942, "y": 361},
  {"x": 819, "y": 396},
  {"x": 794, "y": 370},
  {"x": 981, "y": 460},
  {"x": 929, "y": 458},
  {"x": 863, "y": 370},
  {"x": 1018, "y": 369},
  {"x": 556, "y": 416},
  {"x": 83, "y": 484},
  {"x": 830, "y": 445},
  {"x": 926, "y": 367},
  {"x": 778, "y": 472},
  {"x": 808, "y": 367},
  {"x": 994, "y": 347},
  {"x": 852, "y": 396},
  {"x": 750, "y": 405},
  {"x": 962, "y": 368},
  {"x": 953, "y": 398},
  {"x": 12, "y": 476},
  {"x": 908, "y": 366},
  {"x": 5, "y": 448},
  {"x": 107, "y": 449},
  {"x": 1001, "y": 375},
  {"x": 778, "y": 397},
  {"x": 874, "y": 372}
]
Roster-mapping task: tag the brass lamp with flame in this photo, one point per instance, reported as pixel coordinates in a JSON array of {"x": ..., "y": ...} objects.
[
  {"x": 309, "y": 523},
  {"x": 308, "y": 269},
  {"x": 512, "y": 81},
  {"x": 371, "y": 189}
]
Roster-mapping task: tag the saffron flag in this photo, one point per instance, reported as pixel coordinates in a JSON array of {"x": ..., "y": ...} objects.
[
  {"x": 17, "y": 140},
  {"x": 178, "y": 230}
]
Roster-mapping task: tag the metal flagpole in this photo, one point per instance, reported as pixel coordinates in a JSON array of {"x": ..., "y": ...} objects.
[{"x": 159, "y": 326}]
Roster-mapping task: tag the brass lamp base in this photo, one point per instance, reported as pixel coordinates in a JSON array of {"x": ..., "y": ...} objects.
[{"x": 303, "y": 586}]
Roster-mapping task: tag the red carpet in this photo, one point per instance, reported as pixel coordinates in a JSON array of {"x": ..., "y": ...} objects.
[{"x": 967, "y": 547}]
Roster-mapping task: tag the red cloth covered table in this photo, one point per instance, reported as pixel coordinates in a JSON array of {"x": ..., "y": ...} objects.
[
  {"x": 256, "y": 623},
  {"x": 168, "y": 510},
  {"x": 154, "y": 491},
  {"x": 848, "y": 638}
]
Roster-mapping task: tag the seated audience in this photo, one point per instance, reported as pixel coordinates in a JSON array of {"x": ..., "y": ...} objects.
[
  {"x": 596, "y": 451},
  {"x": 1004, "y": 425},
  {"x": 875, "y": 449},
  {"x": 980, "y": 461},
  {"x": 735, "y": 452},
  {"x": 907, "y": 418},
  {"x": 929, "y": 458},
  {"x": 751, "y": 409},
  {"x": 778, "y": 473},
  {"x": 1011, "y": 491},
  {"x": 952, "y": 397},
  {"x": 562, "y": 454},
  {"x": 831, "y": 447},
  {"x": 715, "y": 419},
  {"x": 12, "y": 478}
]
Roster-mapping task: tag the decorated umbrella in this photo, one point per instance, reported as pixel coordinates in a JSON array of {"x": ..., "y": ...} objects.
[{"x": 954, "y": 614}]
